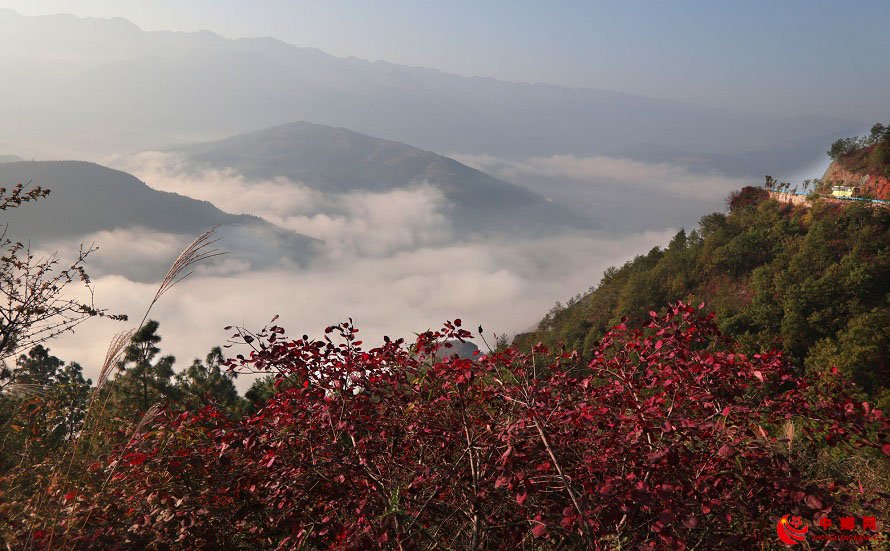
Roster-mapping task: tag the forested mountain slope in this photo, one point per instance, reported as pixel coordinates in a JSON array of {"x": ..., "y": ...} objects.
[{"x": 810, "y": 280}]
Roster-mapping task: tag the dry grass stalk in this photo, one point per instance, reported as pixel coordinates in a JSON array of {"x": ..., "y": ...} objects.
[
  {"x": 114, "y": 354},
  {"x": 149, "y": 416},
  {"x": 198, "y": 250},
  {"x": 788, "y": 430},
  {"x": 24, "y": 390}
]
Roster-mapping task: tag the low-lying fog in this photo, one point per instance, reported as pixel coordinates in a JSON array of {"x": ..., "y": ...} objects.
[{"x": 390, "y": 260}]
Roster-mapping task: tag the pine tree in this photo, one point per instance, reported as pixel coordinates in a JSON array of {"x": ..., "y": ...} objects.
[
  {"x": 45, "y": 402},
  {"x": 209, "y": 383},
  {"x": 141, "y": 381}
]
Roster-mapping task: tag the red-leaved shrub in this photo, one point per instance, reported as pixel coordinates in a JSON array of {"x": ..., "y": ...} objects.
[{"x": 666, "y": 438}]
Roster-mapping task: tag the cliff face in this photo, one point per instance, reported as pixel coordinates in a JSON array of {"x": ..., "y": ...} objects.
[{"x": 872, "y": 185}]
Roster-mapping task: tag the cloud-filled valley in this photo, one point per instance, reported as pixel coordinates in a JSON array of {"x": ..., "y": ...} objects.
[
  {"x": 358, "y": 222},
  {"x": 503, "y": 284},
  {"x": 390, "y": 255},
  {"x": 622, "y": 193}
]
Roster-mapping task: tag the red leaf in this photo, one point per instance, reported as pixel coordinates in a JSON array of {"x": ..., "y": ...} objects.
[
  {"x": 539, "y": 531},
  {"x": 813, "y": 502},
  {"x": 70, "y": 495},
  {"x": 136, "y": 458}
]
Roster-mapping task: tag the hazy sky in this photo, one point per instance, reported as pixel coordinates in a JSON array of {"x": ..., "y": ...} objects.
[{"x": 794, "y": 57}]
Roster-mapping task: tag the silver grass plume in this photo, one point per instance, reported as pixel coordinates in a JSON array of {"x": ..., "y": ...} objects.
[
  {"x": 24, "y": 390},
  {"x": 113, "y": 356},
  {"x": 198, "y": 250},
  {"x": 149, "y": 416}
]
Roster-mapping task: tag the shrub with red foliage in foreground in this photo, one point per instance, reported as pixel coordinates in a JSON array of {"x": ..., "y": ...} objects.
[{"x": 667, "y": 438}]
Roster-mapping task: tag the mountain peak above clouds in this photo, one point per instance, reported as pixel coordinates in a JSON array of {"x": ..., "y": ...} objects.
[{"x": 335, "y": 160}]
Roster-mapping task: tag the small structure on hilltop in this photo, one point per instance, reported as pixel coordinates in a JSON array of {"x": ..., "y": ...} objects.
[{"x": 844, "y": 191}]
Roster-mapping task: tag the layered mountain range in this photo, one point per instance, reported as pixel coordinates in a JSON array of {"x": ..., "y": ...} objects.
[
  {"x": 97, "y": 87},
  {"x": 88, "y": 198}
]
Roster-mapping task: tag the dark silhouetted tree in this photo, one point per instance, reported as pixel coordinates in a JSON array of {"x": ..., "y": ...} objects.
[
  {"x": 141, "y": 380},
  {"x": 209, "y": 383}
]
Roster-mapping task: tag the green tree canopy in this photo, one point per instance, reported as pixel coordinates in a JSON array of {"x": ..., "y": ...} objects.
[
  {"x": 812, "y": 281},
  {"x": 209, "y": 383},
  {"x": 144, "y": 377}
]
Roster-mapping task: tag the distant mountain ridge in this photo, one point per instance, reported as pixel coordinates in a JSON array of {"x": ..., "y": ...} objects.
[
  {"x": 104, "y": 87},
  {"x": 337, "y": 160}
]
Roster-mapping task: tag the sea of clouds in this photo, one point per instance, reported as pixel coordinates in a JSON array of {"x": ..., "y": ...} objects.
[{"x": 390, "y": 260}]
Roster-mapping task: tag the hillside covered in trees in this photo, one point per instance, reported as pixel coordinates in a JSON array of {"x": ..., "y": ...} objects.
[{"x": 809, "y": 280}]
